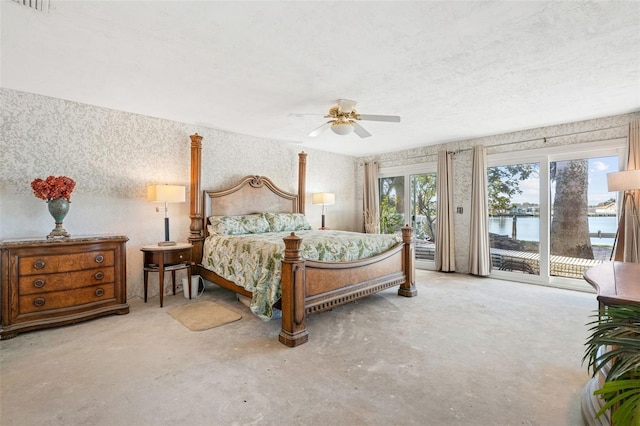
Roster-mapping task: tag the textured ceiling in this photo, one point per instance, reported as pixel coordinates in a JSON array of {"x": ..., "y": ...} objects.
[{"x": 451, "y": 70}]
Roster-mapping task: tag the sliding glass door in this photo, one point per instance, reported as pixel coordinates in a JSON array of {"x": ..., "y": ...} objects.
[
  {"x": 409, "y": 197},
  {"x": 514, "y": 217},
  {"x": 423, "y": 206},
  {"x": 583, "y": 214},
  {"x": 392, "y": 208},
  {"x": 552, "y": 218}
]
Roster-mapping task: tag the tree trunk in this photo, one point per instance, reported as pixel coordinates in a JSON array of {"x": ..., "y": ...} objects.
[{"x": 570, "y": 225}]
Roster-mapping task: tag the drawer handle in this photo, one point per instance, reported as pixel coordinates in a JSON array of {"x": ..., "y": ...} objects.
[
  {"x": 99, "y": 275},
  {"x": 39, "y": 264},
  {"x": 99, "y": 258},
  {"x": 39, "y": 302},
  {"x": 99, "y": 292},
  {"x": 38, "y": 283}
]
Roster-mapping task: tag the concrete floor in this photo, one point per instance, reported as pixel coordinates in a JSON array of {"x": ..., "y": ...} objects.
[{"x": 466, "y": 351}]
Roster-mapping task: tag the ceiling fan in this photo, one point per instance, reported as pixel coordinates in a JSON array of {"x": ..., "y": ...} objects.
[{"x": 344, "y": 120}]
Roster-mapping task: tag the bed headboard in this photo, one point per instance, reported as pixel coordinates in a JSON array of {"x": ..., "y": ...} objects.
[{"x": 253, "y": 194}]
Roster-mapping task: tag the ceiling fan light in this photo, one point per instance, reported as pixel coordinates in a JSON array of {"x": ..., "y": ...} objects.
[{"x": 341, "y": 127}]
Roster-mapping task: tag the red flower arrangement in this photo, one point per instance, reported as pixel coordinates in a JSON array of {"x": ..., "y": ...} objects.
[{"x": 53, "y": 187}]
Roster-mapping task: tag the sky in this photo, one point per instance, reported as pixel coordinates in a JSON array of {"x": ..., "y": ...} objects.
[{"x": 598, "y": 169}]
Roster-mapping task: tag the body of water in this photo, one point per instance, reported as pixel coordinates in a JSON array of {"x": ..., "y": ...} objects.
[{"x": 528, "y": 227}]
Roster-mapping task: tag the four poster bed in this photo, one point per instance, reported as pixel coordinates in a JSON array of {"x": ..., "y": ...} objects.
[{"x": 256, "y": 208}]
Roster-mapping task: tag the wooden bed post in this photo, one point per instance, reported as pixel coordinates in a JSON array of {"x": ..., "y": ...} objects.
[
  {"x": 306, "y": 286},
  {"x": 302, "y": 180},
  {"x": 408, "y": 288},
  {"x": 294, "y": 325},
  {"x": 195, "y": 213}
]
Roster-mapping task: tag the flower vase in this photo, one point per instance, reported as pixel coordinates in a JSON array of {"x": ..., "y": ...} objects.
[{"x": 58, "y": 207}]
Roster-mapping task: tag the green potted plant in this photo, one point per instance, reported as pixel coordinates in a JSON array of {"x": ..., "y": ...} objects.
[{"x": 617, "y": 329}]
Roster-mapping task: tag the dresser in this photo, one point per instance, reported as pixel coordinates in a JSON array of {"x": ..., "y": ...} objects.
[{"x": 46, "y": 283}]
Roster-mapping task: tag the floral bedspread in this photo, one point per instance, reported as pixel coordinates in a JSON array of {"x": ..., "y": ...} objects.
[{"x": 253, "y": 261}]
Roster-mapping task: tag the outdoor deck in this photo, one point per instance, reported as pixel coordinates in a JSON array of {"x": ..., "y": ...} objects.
[
  {"x": 519, "y": 261},
  {"x": 529, "y": 263},
  {"x": 425, "y": 250}
]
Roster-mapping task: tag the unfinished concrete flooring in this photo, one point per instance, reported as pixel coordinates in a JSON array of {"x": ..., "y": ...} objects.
[{"x": 465, "y": 351}]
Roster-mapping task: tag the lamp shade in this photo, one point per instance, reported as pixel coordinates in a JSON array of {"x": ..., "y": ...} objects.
[
  {"x": 623, "y": 181},
  {"x": 166, "y": 193},
  {"x": 324, "y": 198}
]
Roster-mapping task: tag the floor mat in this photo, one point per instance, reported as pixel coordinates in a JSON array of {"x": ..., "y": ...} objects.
[{"x": 203, "y": 315}]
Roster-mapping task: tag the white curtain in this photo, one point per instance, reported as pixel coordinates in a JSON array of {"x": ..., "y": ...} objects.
[
  {"x": 479, "y": 252},
  {"x": 371, "y": 198},
  {"x": 445, "y": 251},
  {"x": 627, "y": 247}
]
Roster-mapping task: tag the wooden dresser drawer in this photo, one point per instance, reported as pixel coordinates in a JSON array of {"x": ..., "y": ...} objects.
[
  {"x": 45, "y": 283},
  {"x": 63, "y": 263},
  {"x": 64, "y": 299},
  {"x": 34, "y": 284}
]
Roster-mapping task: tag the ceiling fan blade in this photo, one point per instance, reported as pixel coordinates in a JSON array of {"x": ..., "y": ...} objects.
[
  {"x": 320, "y": 129},
  {"x": 359, "y": 130},
  {"x": 295, "y": 114},
  {"x": 369, "y": 117},
  {"x": 346, "y": 105}
]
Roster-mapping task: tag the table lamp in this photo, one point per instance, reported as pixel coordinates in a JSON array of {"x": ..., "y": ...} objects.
[
  {"x": 166, "y": 194},
  {"x": 324, "y": 198}
]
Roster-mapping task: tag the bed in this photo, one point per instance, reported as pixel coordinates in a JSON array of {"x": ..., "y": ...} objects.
[{"x": 305, "y": 286}]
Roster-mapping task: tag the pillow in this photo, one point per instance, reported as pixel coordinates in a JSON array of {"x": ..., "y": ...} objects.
[
  {"x": 287, "y": 222},
  {"x": 236, "y": 225}
]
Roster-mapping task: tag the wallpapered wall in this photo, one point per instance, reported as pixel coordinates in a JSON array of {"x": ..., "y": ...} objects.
[
  {"x": 113, "y": 156},
  {"x": 602, "y": 130}
]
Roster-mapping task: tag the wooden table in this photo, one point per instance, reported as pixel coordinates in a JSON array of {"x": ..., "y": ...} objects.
[
  {"x": 617, "y": 283},
  {"x": 166, "y": 258}
]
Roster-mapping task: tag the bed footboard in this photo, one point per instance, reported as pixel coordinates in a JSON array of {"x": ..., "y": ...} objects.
[
  {"x": 309, "y": 286},
  {"x": 306, "y": 286}
]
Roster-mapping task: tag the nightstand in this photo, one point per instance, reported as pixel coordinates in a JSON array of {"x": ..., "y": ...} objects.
[{"x": 166, "y": 258}]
